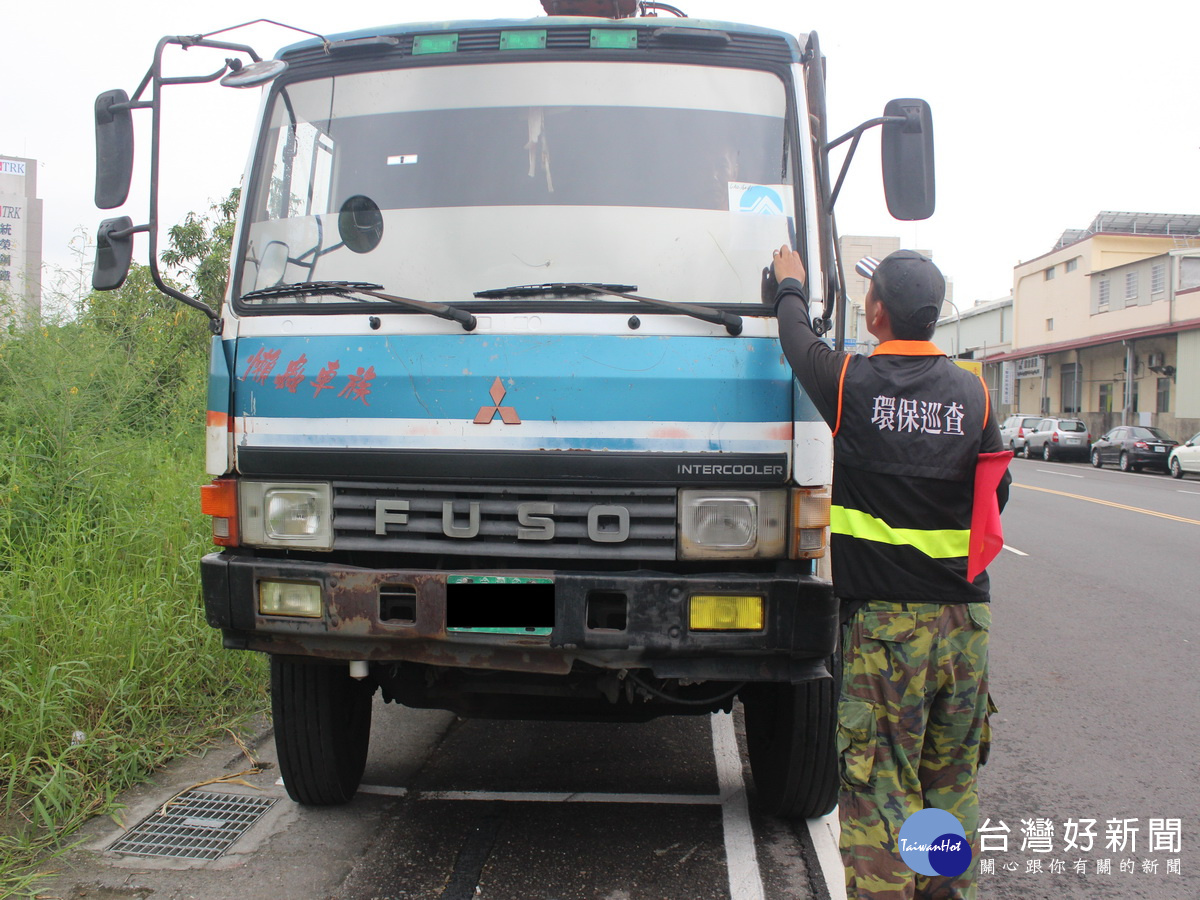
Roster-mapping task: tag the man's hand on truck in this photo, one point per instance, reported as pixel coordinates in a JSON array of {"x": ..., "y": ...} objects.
[{"x": 787, "y": 264}]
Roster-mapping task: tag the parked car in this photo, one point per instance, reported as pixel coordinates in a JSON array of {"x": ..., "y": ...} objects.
[
  {"x": 1053, "y": 438},
  {"x": 1185, "y": 457},
  {"x": 1012, "y": 432},
  {"x": 1133, "y": 446}
]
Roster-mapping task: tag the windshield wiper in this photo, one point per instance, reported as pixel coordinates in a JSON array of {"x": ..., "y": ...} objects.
[
  {"x": 305, "y": 288},
  {"x": 364, "y": 288},
  {"x": 731, "y": 321},
  {"x": 561, "y": 289}
]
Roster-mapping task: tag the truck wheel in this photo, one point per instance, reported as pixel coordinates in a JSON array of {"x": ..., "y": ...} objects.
[
  {"x": 322, "y": 730},
  {"x": 790, "y": 731}
]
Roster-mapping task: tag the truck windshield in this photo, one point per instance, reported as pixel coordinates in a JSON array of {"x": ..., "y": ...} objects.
[{"x": 439, "y": 182}]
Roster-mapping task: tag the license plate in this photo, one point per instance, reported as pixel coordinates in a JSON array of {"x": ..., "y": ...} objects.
[
  {"x": 1073, "y": 440},
  {"x": 500, "y": 604},
  {"x": 1160, "y": 449}
]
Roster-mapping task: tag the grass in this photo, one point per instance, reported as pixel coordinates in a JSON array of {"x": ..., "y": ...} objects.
[{"x": 107, "y": 669}]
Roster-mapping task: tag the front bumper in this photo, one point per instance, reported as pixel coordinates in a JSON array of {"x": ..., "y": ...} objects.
[{"x": 799, "y": 631}]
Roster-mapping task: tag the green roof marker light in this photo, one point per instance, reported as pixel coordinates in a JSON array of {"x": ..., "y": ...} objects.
[
  {"x": 614, "y": 39},
  {"x": 434, "y": 43},
  {"x": 523, "y": 40}
]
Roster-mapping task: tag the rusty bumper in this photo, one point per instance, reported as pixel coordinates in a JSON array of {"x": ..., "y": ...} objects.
[{"x": 799, "y": 633}]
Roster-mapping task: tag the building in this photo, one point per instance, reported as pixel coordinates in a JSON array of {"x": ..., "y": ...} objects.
[
  {"x": 20, "y": 242},
  {"x": 852, "y": 248},
  {"x": 980, "y": 332},
  {"x": 1106, "y": 325}
]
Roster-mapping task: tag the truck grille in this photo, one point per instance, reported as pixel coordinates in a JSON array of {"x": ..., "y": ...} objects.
[{"x": 651, "y": 520}]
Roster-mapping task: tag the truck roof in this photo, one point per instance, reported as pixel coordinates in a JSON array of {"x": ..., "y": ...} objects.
[{"x": 654, "y": 26}]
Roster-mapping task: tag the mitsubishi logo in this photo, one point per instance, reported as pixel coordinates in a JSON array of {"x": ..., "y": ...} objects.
[{"x": 487, "y": 413}]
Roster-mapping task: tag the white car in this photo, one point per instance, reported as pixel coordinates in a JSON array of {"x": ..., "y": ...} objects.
[
  {"x": 1185, "y": 457},
  {"x": 1014, "y": 429}
]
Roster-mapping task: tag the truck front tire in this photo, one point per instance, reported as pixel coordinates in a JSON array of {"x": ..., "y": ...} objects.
[
  {"x": 790, "y": 733},
  {"x": 322, "y": 730}
]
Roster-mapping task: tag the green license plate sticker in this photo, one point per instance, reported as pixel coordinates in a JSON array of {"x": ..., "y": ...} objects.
[
  {"x": 500, "y": 604},
  {"x": 495, "y": 579}
]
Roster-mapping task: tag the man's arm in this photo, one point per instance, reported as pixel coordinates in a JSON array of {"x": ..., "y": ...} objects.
[{"x": 817, "y": 366}]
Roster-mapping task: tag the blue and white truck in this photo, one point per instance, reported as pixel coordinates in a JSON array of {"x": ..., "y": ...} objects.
[{"x": 498, "y": 420}]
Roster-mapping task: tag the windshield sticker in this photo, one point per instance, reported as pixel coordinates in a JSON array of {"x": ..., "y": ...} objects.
[
  {"x": 760, "y": 199},
  {"x": 404, "y": 159}
]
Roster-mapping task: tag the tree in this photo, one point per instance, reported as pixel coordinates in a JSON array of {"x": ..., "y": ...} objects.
[
  {"x": 161, "y": 340},
  {"x": 199, "y": 249}
]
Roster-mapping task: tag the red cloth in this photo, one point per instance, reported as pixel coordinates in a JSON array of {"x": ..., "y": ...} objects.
[{"x": 987, "y": 536}]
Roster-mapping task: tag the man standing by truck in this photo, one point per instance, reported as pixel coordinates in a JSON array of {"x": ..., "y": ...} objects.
[{"x": 913, "y": 433}]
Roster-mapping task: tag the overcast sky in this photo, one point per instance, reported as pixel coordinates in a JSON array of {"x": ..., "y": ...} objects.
[{"x": 1045, "y": 112}]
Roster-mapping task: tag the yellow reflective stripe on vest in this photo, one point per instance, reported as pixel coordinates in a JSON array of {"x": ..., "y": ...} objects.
[{"x": 944, "y": 543}]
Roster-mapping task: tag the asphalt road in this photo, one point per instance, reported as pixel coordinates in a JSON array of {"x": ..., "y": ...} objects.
[
  {"x": 1094, "y": 664},
  {"x": 1093, "y": 667},
  {"x": 464, "y": 809}
]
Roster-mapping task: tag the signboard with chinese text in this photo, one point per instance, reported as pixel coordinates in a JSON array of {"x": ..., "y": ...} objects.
[{"x": 1030, "y": 367}]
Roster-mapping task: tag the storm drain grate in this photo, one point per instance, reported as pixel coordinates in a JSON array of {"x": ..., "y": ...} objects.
[{"x": 196, "y": 825}]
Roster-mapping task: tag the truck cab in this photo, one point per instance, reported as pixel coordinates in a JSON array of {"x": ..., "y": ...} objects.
[{"x": 498, "y": 421}]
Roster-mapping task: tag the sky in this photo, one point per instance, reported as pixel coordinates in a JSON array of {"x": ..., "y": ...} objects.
[{"x": 1045, "y": 113}]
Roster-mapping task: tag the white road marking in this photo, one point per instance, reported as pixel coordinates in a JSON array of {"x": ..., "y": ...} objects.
[
  {"x": 1188, "y": 492},
  {"x": 384, "y": 789},
  {"x": 745, "y": 882},
  {"x": 1058, "y": 472},
  {"x": 741, "y": 856},
  {"x": 825, "y": 832},
  {"x": 1014, "y": 550}
]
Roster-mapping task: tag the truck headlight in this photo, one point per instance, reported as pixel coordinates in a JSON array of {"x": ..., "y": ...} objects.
[
  {"x": 732, "y": 524},
  {"x": 286, "y": 515}
]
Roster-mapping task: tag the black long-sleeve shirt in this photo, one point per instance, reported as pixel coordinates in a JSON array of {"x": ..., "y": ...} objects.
[
  {"x": 818, "y": 367},
  {"x": 902, "y": 482}
]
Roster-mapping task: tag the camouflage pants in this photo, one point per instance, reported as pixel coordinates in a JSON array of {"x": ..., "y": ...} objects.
[{"x": 912, "y": 732}]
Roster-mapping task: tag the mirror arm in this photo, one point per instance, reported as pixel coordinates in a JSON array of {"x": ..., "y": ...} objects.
[
  {"x": 854, "y": 136},
  {"x": 187, "y": 41},
  {"x": 158, "y": 81},
  {"x": 865, "y": 126},
  {"x": 126, "y": 232},
  {"x": 837, "y": 188},
  {"x": 132, "y": 104},
  {"x": 171, "y": 292},
  {"x": 196, "y": 79}
]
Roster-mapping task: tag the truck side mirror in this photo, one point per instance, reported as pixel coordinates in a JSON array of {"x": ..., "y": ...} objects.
[
  {"x": 114, "y": 253},
  {"x": 114, "y": 149},
  {"x": 908, "y": 181}
]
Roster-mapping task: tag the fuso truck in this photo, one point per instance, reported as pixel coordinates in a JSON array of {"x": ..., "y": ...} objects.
[{"x": 498, "y": 420}]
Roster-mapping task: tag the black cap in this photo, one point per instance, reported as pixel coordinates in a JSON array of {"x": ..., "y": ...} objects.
[{"x": 908, "y": 284}]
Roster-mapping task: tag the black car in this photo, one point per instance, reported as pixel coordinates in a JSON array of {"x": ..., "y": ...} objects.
[{"x": 1133, "y": 447}]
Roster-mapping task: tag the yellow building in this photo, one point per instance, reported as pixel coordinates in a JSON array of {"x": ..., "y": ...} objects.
[{"x": 1106, "y": 326}]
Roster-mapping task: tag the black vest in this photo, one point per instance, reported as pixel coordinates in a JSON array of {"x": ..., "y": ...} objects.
[{"x": 907, "y": 436}]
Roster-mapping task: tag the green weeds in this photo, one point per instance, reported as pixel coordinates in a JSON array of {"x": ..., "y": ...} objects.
[{"x": 107, "y": 669}]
